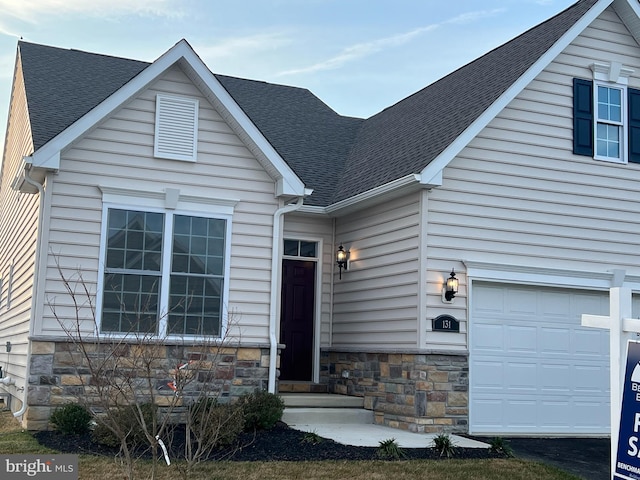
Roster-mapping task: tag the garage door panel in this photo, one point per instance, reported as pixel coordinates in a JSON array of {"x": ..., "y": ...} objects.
[
  {"x": 521, "y": 339},
  {"x": 489, "y": 337},
  {"x": 555, "y": 341},
  {"x": 589, "y": 343},
  {"x": 521, "y": 302},
  {"x": 554, "y": 305},
  {"x": 489, "y": 413},
  {"x": 554, "y": 414},
  {"x": 520, "y": 377},
  {"x": 489, "y": 300},
  {"x": 489, "y": 375},
  {"x": 520, "y": 413},
  {"x": 555, "y": 378},
  {"x": 591, "y": 415},
  {"x": 534, "y": 361},
  {"x": 592, "y": 380}
]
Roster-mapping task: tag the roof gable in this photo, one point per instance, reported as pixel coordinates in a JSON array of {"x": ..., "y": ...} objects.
[{"x": 123, "y": 83}]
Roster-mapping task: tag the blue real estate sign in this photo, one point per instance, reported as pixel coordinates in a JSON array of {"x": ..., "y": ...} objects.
[{"x": 627, "y": 465}]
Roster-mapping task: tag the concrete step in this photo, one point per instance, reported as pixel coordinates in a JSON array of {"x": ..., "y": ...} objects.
[
  {"x": 324, "y": 408},
  {"x": 302, "y": 387},
  {"x": 321, "y": 400},
  {"x": 326, "y": 415}
]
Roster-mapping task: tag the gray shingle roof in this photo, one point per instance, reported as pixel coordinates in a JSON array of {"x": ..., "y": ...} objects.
[
  {"x": 63, "y": 85},
  {"x": 312, "y": 138},
  {"x": 337, "y": 156},
  {"x": 405, "y": 138}
]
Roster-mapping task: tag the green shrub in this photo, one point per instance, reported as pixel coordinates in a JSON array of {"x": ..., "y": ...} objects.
[
  {"x": 444, "y": 445},
  {"x": 220, "y": 424},
  {"x": 127, "y": 421},
  {"x": 261, "y": 410},
  {"x": 311, "y": 438},
  {"x": 390, "y": 449},
  {"x": 71, "y": 419},
  {"x": 501, "y": 446}
]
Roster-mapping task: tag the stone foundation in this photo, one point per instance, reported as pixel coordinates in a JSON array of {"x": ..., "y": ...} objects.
[
  {"x": 59, "y": 373},
  {"x": 411, "y": 391}
]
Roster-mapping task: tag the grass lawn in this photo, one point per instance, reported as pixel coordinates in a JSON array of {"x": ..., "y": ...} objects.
[{"x": 14, "y": 440}]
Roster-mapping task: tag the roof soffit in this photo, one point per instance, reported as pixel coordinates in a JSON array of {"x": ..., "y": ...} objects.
[{"x": 629, "y": 13}]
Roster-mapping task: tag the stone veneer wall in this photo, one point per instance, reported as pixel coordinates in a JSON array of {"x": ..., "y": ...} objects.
[
  {"x": 57, "y": 375},
  {"x": 411, "y": 391}
]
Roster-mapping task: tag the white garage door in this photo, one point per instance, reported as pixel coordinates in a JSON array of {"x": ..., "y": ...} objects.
[{"x": 533, "y": 368}]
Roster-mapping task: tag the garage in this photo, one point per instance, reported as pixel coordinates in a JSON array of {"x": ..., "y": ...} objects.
[{"x": 534, "y": 369}]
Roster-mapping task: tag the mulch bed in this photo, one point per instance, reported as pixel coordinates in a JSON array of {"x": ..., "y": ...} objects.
[{"x": 280, "y": 443}]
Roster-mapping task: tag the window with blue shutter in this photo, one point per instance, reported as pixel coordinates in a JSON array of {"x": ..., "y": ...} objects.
[
  {"x": 582, "y": 117},
  {"x": 634, "y": 125},
  {"x": 606, "y": 121}
]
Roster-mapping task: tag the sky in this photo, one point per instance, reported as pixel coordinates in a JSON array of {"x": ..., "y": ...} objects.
[{"x": 358, "y": 56}]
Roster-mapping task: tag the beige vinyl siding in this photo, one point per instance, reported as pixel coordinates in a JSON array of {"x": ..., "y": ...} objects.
[
  {"x": 319, "y": 229},
  {"x": 376, "y": 302},
  {"x": 119, "y": 153},
  {"x": 516, "y": 195},
  {"x": 18, "y": 227}
]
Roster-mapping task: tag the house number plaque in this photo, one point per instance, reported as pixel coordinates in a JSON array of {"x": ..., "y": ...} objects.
[{"x": 445, "y": 323}]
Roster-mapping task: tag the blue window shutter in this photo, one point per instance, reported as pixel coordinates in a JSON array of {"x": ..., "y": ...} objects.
[
  {"x": 634, "y": 125},
  {"x": 582, "y": 117}
]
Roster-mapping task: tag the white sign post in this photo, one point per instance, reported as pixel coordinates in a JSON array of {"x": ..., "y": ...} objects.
[{"x": 621, "y": 329}]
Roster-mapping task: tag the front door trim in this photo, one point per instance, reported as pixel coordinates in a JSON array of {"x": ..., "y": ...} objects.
[{"x": 317, "y": 317}]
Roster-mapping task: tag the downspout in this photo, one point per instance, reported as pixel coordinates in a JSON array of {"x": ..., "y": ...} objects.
[
  {"x": 275, "y": 270},
  {"x": 34, "y": 294}
]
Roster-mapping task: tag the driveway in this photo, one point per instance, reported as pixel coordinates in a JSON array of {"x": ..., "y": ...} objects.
[{"x": 587, "y": 458}]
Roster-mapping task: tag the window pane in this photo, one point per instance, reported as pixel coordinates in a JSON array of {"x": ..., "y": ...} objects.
[
  {"x": 217, "y": 228},
  {"x": 215, "y": 266},
  {"x": 198, "y": 245},
  {"x": 195, "y": 305},
  {"x": 608, "y": 140},
  {"x": 609, "y": 104},
  {"x": 180, "y": 243},
  {"x": 198, "y": 264},
  {"x": 291, "y": 248},
  {"x": 182, "y": 225},
  {"x": 307, "y": 249},
  {"x": 134, "y": 240},
  {"x": 199, "y": 226},
  {"x": 197, "y": 249},
  {"x": 130, "y": 303},
  {"x": 117, "y": 219},
  {"x": 180, "y": 263},
  {"x": 615, "y": 113}
]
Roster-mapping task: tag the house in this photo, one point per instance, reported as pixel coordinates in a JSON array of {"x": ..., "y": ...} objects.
[{"x": 517, "y": 173}]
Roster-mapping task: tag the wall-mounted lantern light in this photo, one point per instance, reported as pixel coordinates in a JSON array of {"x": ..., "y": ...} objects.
[
  {"x": 451, "y": 287},
  {"x": 341, "y": 259}
]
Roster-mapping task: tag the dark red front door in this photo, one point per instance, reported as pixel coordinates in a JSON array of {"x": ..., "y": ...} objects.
[{"x": 296, "y": 320}]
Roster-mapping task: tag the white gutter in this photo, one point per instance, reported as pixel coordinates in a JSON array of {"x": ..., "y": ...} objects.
[
  {"x": 274, "y": 321},
  {"x": 34, "y": 294}
]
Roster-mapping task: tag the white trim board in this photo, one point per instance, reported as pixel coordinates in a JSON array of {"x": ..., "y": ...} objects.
[{"x": 582, "y": 279}]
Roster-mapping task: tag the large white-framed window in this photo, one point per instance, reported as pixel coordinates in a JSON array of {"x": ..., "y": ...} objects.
[
  {"x": 610, "y": 122},
  {"x": 164, "y": 271}
]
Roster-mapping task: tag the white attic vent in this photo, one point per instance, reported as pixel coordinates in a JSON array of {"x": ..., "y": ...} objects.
[{"x": 176, "y": 128}]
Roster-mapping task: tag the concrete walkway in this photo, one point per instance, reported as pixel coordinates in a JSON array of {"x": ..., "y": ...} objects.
[{"x": 362, "y": 435}]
